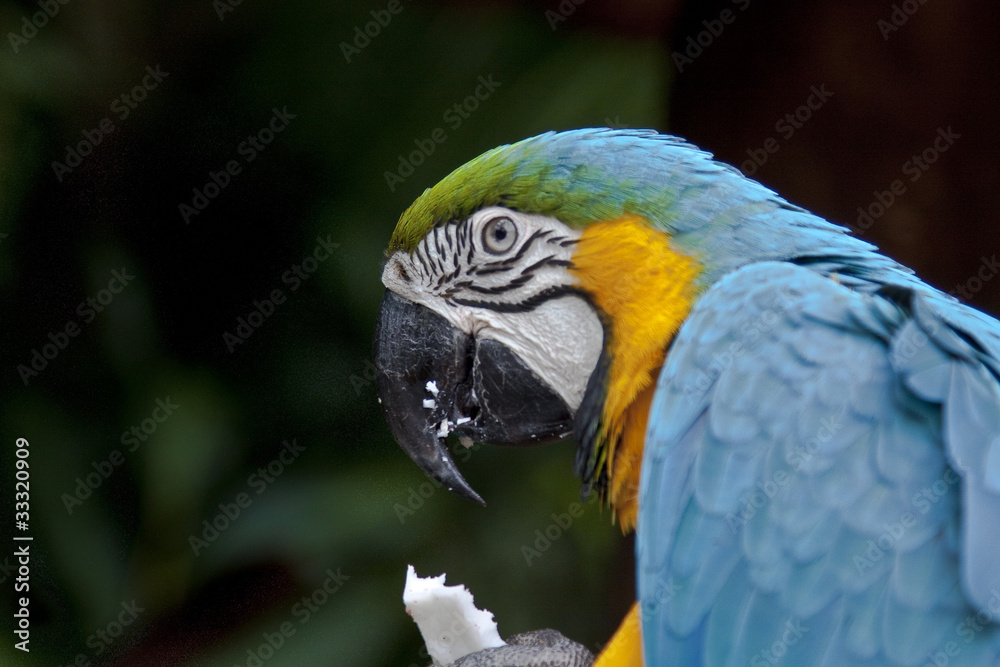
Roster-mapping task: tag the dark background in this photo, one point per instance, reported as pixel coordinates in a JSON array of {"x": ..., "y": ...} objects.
[{"x": 351, "y": 503}]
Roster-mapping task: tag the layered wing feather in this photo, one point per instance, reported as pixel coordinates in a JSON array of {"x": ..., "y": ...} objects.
[{"x": 821, "y": 481}]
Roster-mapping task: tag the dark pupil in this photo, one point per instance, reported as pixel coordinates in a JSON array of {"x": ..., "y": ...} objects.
[{"x": 500, "y": 232}]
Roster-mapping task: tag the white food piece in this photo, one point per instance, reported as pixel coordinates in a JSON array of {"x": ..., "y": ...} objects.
[
  {"x": 444, "y": 428},
  {"x": 462, "y": 420},
  {"x": 465, "y": 441},
  {"x": 449, "y": 622},
  {"x": 432, "y": 387},
  {"x": 430, "y": 403}
]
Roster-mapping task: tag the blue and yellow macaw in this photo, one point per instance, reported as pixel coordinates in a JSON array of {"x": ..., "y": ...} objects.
[{"x": 805, "y": 436}]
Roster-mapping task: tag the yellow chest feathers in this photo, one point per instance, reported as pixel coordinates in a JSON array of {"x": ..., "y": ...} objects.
[{"x": 644, "y": 290}]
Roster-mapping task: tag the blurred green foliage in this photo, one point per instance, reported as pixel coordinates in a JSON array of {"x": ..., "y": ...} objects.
[{"x": 351, "y": 502}]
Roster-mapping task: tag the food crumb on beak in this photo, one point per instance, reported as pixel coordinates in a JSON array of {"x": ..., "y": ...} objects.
[
  {"x": 432, "y": 387},
  {"x": 430, "y": 403}
]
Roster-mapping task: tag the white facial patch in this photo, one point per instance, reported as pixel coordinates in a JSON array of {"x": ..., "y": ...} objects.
[
  {"x": 560, "y": 341},
  {"x": 518, "y": 293}
]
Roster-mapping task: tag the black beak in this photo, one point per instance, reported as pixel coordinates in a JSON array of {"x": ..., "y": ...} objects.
[{"x": 433, "y": 379}]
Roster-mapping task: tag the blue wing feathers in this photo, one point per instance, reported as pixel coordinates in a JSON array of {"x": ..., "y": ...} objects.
[
  {"x": 722, "y": 477},
  {"x": 925, "y": 368},
  {"x": 936, "y": 567},
  {"x": 906, "y": 449},
  {"x": 812, "y": 585},
  {"x": 971, "y": 417},
  {"x": 860, "y": 635},
  {"x": 909, "y": 635},
  {"x": 817, "y": 540},
  {"x": 820, "y": 454}
]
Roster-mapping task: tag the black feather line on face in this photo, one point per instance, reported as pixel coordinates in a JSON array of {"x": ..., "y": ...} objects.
[
  {"x": 537, "y": 236},
  {"x": 525, "y": 305},
  {"x": 437, "y": 242},
  {"x": 546, "y": 261},
  {"x": 507, "y": 261},
  {"x": 589, "y": 432},
  {"x": 423, "y": 262},
  {"x": 500, "y": 289},
  {"x": 494, "y": 269}
]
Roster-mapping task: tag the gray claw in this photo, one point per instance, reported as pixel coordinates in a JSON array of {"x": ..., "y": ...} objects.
[{"x": 539, "y": 648}]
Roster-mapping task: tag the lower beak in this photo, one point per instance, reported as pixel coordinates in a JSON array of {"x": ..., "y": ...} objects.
[{"x": 433, "y": 379}]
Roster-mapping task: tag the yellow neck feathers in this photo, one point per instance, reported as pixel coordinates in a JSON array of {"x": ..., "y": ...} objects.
[{"x": 645, "y": 289}]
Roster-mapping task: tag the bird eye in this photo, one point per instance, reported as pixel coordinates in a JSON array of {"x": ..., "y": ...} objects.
[{"x": 499, "y": 235}]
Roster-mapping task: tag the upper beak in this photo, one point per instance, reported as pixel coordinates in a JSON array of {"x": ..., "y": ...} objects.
[
  {"x": 433, "y": 379},
  {"x": 420, "y": 361}
]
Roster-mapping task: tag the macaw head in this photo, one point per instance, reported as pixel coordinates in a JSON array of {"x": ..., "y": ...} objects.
[{"x": 532, "y": 294}]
